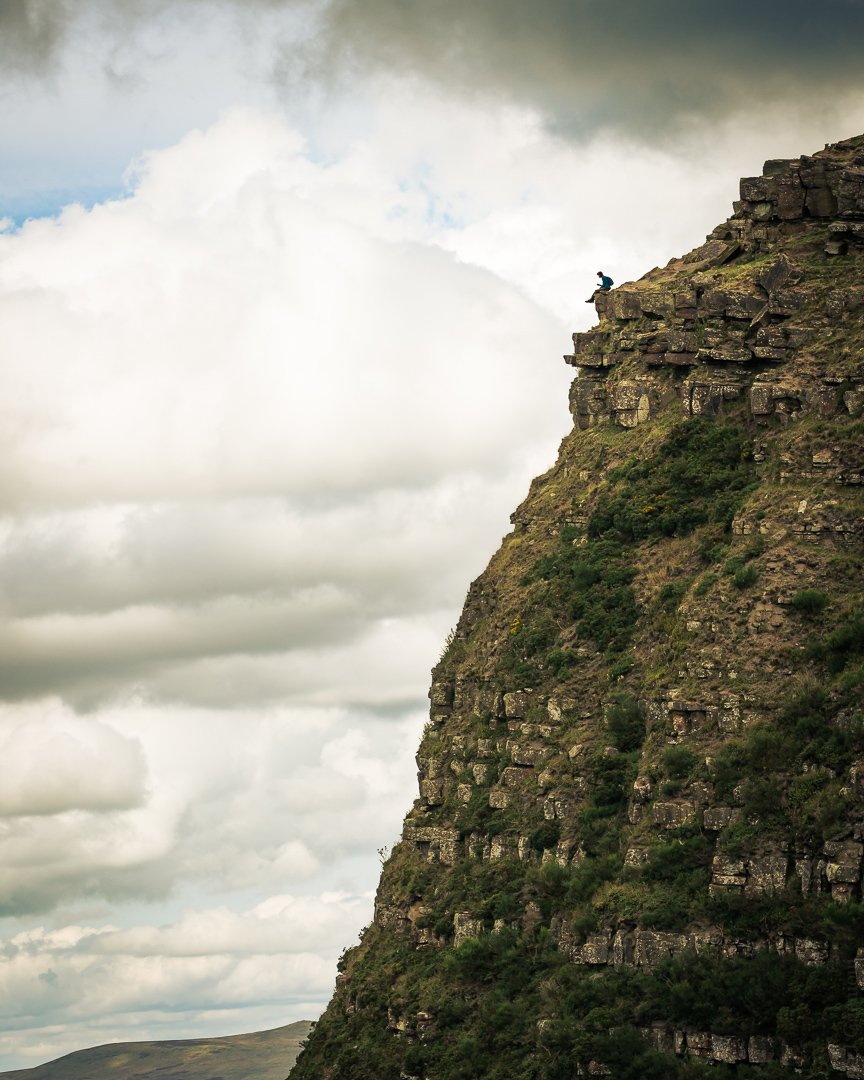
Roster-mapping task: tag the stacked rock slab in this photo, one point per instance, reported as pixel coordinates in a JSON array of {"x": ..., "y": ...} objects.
[{"x": 637, "y": 848}]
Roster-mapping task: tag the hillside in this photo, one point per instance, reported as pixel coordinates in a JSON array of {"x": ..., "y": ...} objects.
[
  {"x": 637, "y": 847},
  {"x": 262, "y": 1055}
]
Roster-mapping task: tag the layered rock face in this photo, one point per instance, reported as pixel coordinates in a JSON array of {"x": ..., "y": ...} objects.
[{"x": 637, "y": 847}]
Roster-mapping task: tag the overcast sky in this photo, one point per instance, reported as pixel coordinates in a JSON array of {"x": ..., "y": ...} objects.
[{"x": 284, "y": 291}]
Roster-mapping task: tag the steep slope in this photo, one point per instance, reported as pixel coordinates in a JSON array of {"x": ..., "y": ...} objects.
[{"x": 637, "y": 848}]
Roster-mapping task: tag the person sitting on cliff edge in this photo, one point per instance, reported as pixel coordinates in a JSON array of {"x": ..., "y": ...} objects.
[{"x": 605, "y": 285}]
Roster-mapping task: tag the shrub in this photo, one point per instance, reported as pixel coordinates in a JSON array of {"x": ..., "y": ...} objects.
[
  {"x": 679, "y": 762},
  {"x": 809, "y": 601},
  {"x": 699, "y": 476},
  {"x": 745, "y": 577},
  {"x": 713, "y": 545},
  {"x": 621, "y": 667},
  {"x": 673, "y": 592},
  {"x": 558, "y": 661},
  {"x": 846, "y": 641},
  {"x": 626, "y": 722},
  {"x": 546, "y": 836}
]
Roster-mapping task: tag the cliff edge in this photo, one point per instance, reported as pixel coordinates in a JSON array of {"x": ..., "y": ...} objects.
[{"x": 637, "y": 847}]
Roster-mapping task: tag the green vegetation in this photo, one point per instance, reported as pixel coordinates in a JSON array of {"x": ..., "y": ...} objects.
[
  {"x": 678, "y": 762},
  {"x": 843, "y": 644},
  {"x": 807, "y": 806},
  {"x": 508, "y": 1004},
  {"x": 740, "y": 568},
  {"x": 625, "y": 720},
  {"x": 673, "y": 592},
  {"x": 592, "y": 586},
  {"x": 698, "y": 477},
  {"x": 810, "y": 601},
  {"x": 745, "y": 577}
]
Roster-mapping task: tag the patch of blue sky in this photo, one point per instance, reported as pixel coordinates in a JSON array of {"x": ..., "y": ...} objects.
[
  {"x": 441, "y": 212},
  {"x": 21, "y": 207}
]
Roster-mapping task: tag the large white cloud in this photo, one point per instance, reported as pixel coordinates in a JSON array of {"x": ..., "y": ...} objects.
[
  {"x": 237, "y": 420},
  {"x": 262, "y": 427}
]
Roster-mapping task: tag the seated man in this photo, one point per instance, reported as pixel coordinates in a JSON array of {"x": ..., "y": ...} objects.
[{"x": 605, "y": 285}]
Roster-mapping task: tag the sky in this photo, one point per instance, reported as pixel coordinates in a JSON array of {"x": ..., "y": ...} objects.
[{"x": 284, "y": 293}]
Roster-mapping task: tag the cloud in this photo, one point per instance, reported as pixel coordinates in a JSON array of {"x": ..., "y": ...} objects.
[
  {"x": 644, "y": 69},
  {"x": 186, "y": 328},
  {"x": 222, "y": 800},
  {"x": 626, "y": 65},
  {"x": 52, "y": 762},
  {"x": 243, "y": 806},
  {"x": 244, "y": 405},
  {"x": 31, "y": 33},
  {"x": 256, "y": 414},
  {"x": 209, "y": 963}
]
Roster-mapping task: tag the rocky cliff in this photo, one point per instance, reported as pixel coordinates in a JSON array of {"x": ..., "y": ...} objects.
[{"x": 637, "y": 847}]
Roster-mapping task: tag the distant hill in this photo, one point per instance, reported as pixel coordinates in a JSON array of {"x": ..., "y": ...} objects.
[{"x": 261, "y": 1055}]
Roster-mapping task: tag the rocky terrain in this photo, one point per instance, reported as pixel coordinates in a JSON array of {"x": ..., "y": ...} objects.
[
  {"x": 262, "y": 1055},
  {"x": 637, "y": 847}
]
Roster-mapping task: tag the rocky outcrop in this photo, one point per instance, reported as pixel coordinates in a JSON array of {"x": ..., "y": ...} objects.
[{"x": 641, "y": 787}]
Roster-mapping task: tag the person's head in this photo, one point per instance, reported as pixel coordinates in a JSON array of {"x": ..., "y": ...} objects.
[{"x": 599, "y": 273}]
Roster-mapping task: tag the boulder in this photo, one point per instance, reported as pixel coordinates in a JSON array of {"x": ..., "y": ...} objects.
[
  {"x": 776, "y": 276},
  {"x": 516, "y": 703},
  {"x": 845, "y": 1061},
  {"x": 844, "y": 861},
  {"x": 652, "y": 946},
  {"x": 716, "y": 818},
  {"x": 596, "y": 950},
  {"x": 624, "y": 304},
  {"x": 730, "y": 1049},
  {"x": 672, "y": 815},
  {"x": 760, "y": 1049},
  {"x": 699, "y": 1043},
  {"x": 465, "y": 926},
  {"x": 811, "y": 952},
  {"x": 516, "y": 775},
  {"x": 439, "y": 844},
  {"x": 441, "y": 694},
  {"x": 432, "y": 792},
  {"x": 727, "y": 873},
  {"x": 643, "y": 786},
  {"x": 766, "y": 873},
  {"x": 520, "y": 754}
]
